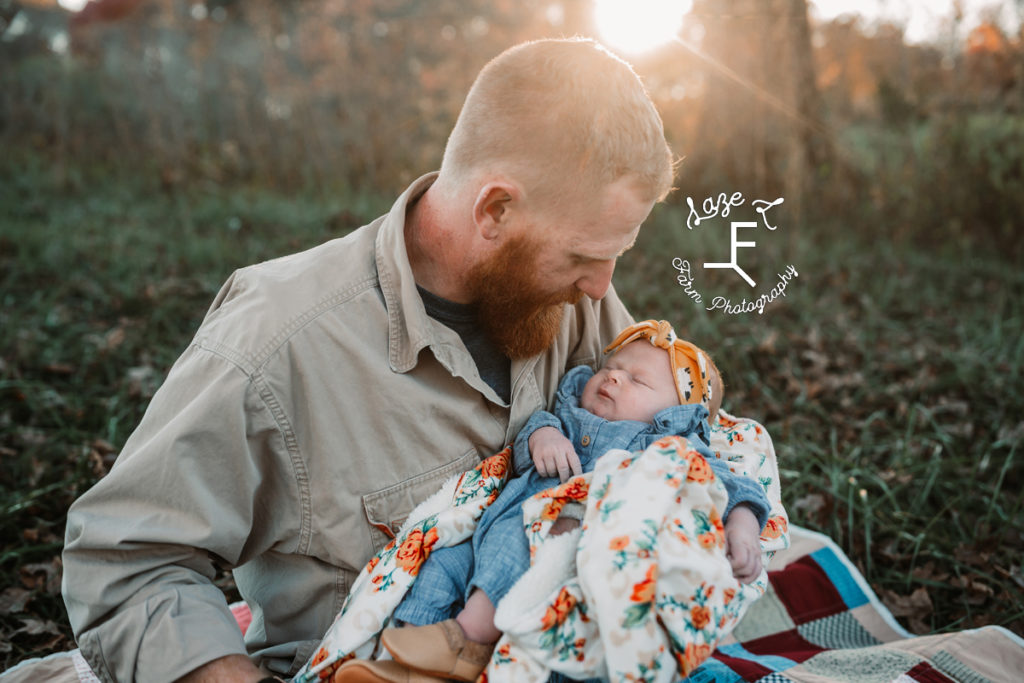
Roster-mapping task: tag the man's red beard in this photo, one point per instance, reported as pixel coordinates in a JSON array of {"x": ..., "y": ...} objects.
[{"x": 519, "y": 318}]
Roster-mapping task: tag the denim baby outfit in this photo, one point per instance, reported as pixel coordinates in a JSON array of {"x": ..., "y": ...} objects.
[{"x": 499, "y": 552}]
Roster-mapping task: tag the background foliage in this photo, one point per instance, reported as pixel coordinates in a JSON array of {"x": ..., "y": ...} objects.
[{"x": 149, "y": 148}]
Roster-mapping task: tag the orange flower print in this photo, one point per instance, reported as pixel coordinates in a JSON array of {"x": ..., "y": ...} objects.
[
  {"x": 535, "y": 527},
  {"x": 775, "y": 527},
  {"x": 729, "y": 594},
  {"x": 707, "y": 540},
  {"x": 739, "y": 437},
  {"x": 328, "y": 671},
  {"x": 619, "y": 542},
  {"x": 372, "y": 563},
  {"x": 666, "y": 442},
  {"x": 415, "y": 549},
  {"x": 429, "y": 541},
  {"x": 552, "y": 510},
  {"x": 482, "y": 678},
  {"x": 575, "y": 490},
  {"x": 716, "y": 521},
  {"x": 693, "y": 657},
  {"x": 726, "y": 422},
  {"x": 700, "y": 470},
  {"x": 644, "y": 591},
  {"x": 558, "y": 612},
  {"x": 700, "y": 616},
  {"x": 495, "y": 466}
]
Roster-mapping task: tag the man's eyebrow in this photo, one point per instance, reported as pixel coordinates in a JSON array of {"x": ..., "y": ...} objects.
[
  {"x": 627, "y": 247},
  {"x": 583, "y": 258}
]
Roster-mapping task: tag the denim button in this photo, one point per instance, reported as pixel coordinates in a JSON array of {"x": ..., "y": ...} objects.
[{"x": 585, "y": 440}]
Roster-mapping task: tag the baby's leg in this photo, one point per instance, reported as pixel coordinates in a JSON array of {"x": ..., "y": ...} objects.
[
  {"x": 440, "y": 587},
  {"x": 477, "y": 618},
  {"x": 500, "y": 557}
]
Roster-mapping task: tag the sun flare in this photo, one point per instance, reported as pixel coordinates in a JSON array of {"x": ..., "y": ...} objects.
[{"x": 639, "y": 25}]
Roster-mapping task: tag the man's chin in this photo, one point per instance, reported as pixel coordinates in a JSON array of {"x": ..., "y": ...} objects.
[{"x": 531, "y": 336}]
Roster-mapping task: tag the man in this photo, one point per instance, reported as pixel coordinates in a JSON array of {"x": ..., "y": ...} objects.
[{"x": 327, "y": 393}]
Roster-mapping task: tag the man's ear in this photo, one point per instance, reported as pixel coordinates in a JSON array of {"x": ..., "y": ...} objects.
[{"x": 492, "y": 208}]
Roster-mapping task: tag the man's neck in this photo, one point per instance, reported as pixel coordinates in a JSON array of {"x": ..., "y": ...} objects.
[{"x": 436, "y": 248}]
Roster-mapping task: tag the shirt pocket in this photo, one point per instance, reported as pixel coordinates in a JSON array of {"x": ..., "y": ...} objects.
[{"x": 387, "y": 509}]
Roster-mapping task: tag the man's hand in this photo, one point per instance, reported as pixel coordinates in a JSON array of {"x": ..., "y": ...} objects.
[
  {"x": 553, "y": 454},
  {"x": 741, "y": 544},
  {"x": 230, "y": 669}
]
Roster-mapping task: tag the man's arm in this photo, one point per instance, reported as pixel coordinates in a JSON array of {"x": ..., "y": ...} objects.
[
  {"x": 230, "y": 669},
  {"x": 141, "y": 544}
]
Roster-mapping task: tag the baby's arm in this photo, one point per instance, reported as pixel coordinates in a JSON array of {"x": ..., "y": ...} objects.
[
  {"x": 522, "y": 459},
  {"x": 542, "y": 444},
  {"x": 742, "y": 543},
  {"x": 745, "y": 516},
  {"x": 553, "y": 454}
]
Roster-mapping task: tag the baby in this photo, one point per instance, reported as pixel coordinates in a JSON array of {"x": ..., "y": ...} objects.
[{"x": 652, "y": 386}]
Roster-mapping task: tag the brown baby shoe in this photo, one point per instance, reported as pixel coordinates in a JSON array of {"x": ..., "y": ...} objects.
[
  {"x": 438, "y": 649},
  {"x": 365, "y": 671}
]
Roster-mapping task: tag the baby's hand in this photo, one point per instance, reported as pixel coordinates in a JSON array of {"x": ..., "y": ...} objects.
[
  {"x": 553, "y": 454},
  {"x": 741, "y": 544}
]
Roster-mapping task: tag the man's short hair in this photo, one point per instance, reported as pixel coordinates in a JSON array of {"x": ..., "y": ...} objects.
[{"x": 560, "y": 116}]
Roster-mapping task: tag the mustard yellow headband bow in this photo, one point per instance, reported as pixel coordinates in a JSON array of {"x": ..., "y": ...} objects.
[{"x": 689, "y": 363}]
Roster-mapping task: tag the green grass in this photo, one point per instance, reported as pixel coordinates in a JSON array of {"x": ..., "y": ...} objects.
[{"x": 889, "y": 376}]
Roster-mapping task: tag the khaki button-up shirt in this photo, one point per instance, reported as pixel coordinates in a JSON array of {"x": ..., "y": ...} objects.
[{"x": 316, "y": 406}]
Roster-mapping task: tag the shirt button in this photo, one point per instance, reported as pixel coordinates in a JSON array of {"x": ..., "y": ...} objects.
[{"x": 585, "y": 440}]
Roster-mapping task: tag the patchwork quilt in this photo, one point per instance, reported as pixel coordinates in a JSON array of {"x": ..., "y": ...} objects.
[{"x": 819, "y": 621}]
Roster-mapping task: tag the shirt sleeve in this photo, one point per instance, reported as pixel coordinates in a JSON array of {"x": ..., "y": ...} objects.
[
  {"x": 741, "y": 490},
  {"x": 206, "y": 461}
]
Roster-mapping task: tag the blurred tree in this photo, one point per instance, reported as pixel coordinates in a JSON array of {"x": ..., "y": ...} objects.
[{"x": 762, "y": 111}]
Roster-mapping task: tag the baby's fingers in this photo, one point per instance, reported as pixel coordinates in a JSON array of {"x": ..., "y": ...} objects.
[{"x": 568, "y": 466}]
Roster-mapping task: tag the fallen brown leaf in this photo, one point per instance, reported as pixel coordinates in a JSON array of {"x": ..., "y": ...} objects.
[
  {"x": 43, "y": 575},
  {"x": 13, "y": 600},
  {"x": 916, "y": 607}
]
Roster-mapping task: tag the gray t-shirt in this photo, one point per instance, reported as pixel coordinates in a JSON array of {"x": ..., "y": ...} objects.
[{"x": 493, "y": 366}]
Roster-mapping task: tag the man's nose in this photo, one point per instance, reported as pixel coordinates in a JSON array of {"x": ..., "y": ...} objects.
[{"x": 597, "y": 280}]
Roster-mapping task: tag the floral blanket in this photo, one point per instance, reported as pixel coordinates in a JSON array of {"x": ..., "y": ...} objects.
[{"x": 653, "y": 595}]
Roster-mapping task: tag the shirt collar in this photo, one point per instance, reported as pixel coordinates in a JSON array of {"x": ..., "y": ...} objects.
[{"x": 409, "y": 327}]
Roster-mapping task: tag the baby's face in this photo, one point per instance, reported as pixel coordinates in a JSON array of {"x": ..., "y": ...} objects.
[{"x": 634, "y": 384}]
